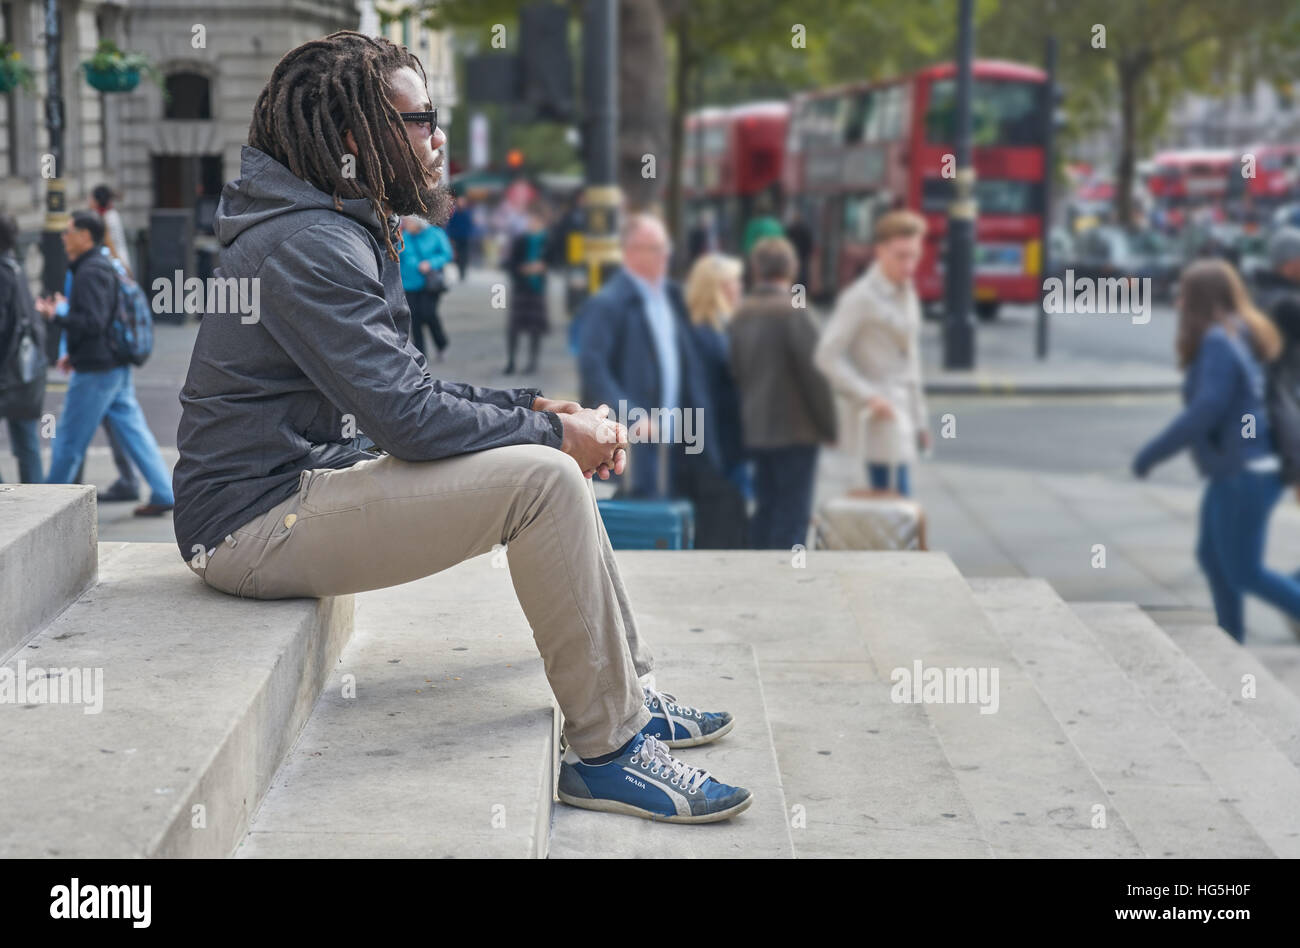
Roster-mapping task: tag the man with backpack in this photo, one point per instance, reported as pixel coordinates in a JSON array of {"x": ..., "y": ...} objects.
[
  {"x": 101, "y": 384},
  {"x": 1277, "y": 291},
  {"x": 22, "y": 359}
]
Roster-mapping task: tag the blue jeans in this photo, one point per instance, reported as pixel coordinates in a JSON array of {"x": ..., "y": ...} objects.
[
  {"x": 1234, "y": 533},
  {"x": 878, "y": 478},
  {"x": 783, "y": 485},
  {"x": 91, "y": 397},
  {"x": 25, "y": 443}
]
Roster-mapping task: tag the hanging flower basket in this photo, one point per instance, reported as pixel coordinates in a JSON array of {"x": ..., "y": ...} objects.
[
  {"x": 111, "y": 70},
  {"x": 14, "y": 73},
  {"x": 111, "y": 80}
]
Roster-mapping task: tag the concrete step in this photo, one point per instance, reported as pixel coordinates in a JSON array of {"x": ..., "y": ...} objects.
[
  {"x": 47, "y": 555},
  {"x": 1254, "y": 775},
  {"x": 1151, "y": 779},
  {"x": 712, "y": 677},
  {"x": 1030, "y": 792},
  {"x": 1269, "y": 704},
  {"x": 448, "y": 747},
  {"x": 1283, "y": 662},
  {"x": 202, "y": 695},
  {"x": 863, "y": 776}
]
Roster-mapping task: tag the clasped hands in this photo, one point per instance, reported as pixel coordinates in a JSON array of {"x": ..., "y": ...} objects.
[{"x": 591, "y": 437}]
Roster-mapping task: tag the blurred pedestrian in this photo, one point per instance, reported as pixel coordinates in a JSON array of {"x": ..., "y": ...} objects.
[
  {"x": 101, "y": 202},
  {"x": 787, "y": 409},
  {"x": 100, "y": 385},
  {"x": 800, "y": 236},
  {"x": 712, "y": 295},
  {"x": 702, "y": 238},
  {"x": 1223, "y": 345},
  {"x": 424, "y": 255},
  {"x": 638, "y": 355},
  {"x": 764, "y": 223},
  {"x": 526, "y": 264},
  {"x": 460, "y": 231},
  {"x": 871, "y": 352},
  {"x": 22, "y": 359}
]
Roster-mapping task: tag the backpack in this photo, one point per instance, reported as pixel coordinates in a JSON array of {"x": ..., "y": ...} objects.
[
  {"x": 1284, "y": 412},
  {"x": 130, "y": 328},
  {"x": 22, "y": 365}
]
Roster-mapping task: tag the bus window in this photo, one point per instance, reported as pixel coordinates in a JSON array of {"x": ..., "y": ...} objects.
[
  {"x": 860, "y": 108},
  {"x": 1003, "y": 112}
]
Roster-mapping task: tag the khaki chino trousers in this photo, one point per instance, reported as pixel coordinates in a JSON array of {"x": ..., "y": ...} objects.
[{"x": 384, "y": 522}]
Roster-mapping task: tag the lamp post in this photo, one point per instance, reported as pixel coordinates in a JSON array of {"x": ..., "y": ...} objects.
[
  {"x": 958, "y": 331},
  {"x": 53, "y": 259}
]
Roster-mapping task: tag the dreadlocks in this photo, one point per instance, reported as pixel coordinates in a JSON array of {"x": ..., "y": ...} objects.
[{"x": 326, "y": 87}]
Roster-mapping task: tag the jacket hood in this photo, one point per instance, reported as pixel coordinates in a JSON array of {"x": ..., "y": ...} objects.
[{"x": 266, "y": 189}]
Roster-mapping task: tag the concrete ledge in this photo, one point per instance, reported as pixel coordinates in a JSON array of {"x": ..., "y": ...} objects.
[
  {"x": 447, "y": 746},
  {"x": 47, "y": 555},
  {"x": 202, "y": 696}
]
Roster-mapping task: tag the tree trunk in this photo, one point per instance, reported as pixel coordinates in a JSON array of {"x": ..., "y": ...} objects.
[
  {"x": 642, "y": 94},
  {"x": 1130, "y": 74},
  {"x": 677, "y": 130}
]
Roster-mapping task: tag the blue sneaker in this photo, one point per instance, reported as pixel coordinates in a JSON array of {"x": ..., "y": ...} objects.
[
  {"x": 679, "y": 726},
  {"x": 646, "y": 781}
]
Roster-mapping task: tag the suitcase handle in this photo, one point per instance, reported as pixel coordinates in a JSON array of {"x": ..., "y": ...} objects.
[{"x": 864, "y": 422}]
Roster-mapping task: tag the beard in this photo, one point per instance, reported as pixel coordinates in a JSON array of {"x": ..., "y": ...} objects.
[{"x": 427, "y": 198}]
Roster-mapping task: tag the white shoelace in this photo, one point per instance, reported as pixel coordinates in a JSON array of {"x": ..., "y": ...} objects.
[
  {"x": 654, "y": 754},
  {"x": 670, "y": 701}
]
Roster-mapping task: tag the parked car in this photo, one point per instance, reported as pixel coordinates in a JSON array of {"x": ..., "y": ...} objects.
[{"x": 1106, "y": 252}]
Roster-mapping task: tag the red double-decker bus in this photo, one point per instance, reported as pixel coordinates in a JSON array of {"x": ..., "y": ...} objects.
[
  {"x": 1269, "y": 178},
  {"x": 856, "y": 151},
  {"x": 1185, "y": 180},
  {"x": 732, "y": 164}
]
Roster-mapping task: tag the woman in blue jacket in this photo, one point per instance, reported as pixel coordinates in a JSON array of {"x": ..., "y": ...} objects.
[
  {"x": 425, "y": 251},
  {"x": 1222, "y": 343}
]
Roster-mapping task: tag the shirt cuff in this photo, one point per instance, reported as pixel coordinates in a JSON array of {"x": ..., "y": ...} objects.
[
  {"x": 557, "y": 426},
  {"x": 526, "y": 396}
]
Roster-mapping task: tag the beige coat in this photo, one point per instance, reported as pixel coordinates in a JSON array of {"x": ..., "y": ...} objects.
[{"x": 872, "y": 346}]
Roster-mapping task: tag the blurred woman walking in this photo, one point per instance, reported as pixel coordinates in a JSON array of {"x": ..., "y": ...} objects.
[
  {"x": 1223, "y": 342},
  {"x": 526, "y": 264},
  {"x": 425, "y": 252}
]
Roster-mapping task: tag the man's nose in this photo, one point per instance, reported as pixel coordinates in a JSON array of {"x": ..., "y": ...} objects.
[{"x": 439, "y": 139}]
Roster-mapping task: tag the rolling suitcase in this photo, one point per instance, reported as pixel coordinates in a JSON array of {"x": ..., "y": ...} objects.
[
  {"x": 867, "y": 519},
  {"x": 650, "y": 523}
]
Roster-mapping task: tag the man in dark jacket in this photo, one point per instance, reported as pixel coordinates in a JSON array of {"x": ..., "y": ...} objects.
[
  {"x": 637, "y": 354},
  {"x": 281, "y": 488},
  {"x": 101, "y": 384}
]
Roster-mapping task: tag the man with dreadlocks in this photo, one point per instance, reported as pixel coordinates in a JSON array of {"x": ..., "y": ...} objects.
[{"x": 318, "y": 456}]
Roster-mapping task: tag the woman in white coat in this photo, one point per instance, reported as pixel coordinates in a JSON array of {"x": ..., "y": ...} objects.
[{"x": 870, "y": 352}]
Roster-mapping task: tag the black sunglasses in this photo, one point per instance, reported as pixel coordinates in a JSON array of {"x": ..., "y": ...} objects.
[{"x": 421, "y": 118}]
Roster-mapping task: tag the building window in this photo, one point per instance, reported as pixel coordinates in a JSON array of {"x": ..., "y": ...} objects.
[{"x": 189, "y": 96}]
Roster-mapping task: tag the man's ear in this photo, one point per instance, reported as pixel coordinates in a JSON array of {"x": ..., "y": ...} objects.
[{"x": 349, "y": 142}]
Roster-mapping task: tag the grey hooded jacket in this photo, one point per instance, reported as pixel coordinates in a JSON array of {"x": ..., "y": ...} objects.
[{"x": 326, "y": 369}]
